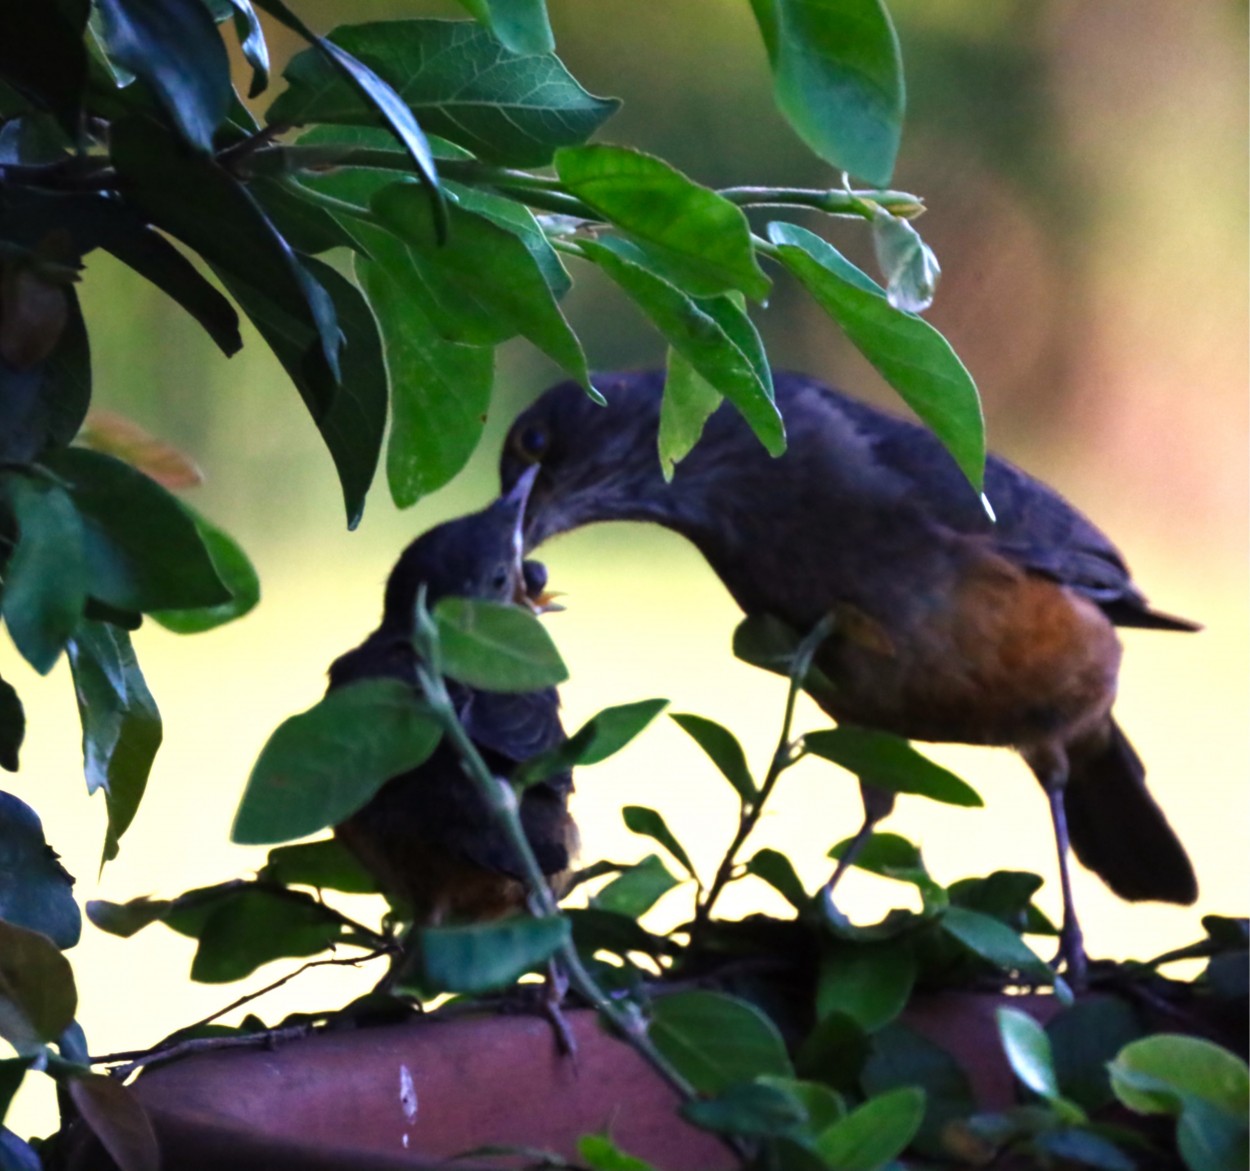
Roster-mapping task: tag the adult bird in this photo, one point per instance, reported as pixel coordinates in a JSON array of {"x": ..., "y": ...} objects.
[
  {"x": 427, "y": 835},
  {"x": 946, "y": 625}
]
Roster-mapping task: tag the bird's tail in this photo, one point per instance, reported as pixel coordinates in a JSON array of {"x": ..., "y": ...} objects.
[{"x": 1116, "y": 828}]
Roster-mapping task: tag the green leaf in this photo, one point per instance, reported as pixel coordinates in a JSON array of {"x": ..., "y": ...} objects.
[
  {"x": 822, "y": 1105},
  {"x": 995, "y": 942},
  {"x": 121, "y": 727},
  {"x": 904, "y": 1057},
  {"x": 259, "y": 926},
  {"x": 521, "y": 26},
  {"x": 325, "y": 763},
  {"x": 602, "y": 1154},
  {"x": 715, "y": 1040},
  {"x": 777, "y": 870},
  {"x": 484, "y": 271},
  {"x": 868, "y": 982},
  {"x": 907, "y": 352},
  {"x": 12, "y": 727},
  {"x": 187, "y": 914},
  {"x": 650, "y": 824},
  {"x": 1028, "y": 1050},
  {"x": 637, "y": 889},
  {"x": 765, "y": 641},
  {"x": 484, "y": 957},
  {"x": 604, "y": 734},
  {"x": 874, "y": 1133},
  {"x": 17, "y": 1155},
  {"x": 204, "y": 206},
  {"x": 142, "y": 547},
  {"x": 35, "y": 889},
  {"x": 595, "y": 930},
  {"x": 45, "y": 581},
  {"x": 236, "y": 573},
  {"x": 173, "y": 46},
  {"x": 889, "y": 762},
  {"x": 688, "y": 402},
  {"x": 834, "y": 1052},
  {"x": 47, "y": 58},
  {"x": 114, "y": 1114},
  {"x": 37, "y": 994},
  {"x": 326, "y": 864},
  {"x": 1006, "y": 895},
  {"x": 722, "y": 747},
  {"x": 440, "y": 391},
  {"x": 303, "y": 223},
  {"x": 12, "y": 1071},
  {"x": 461, "y": 82},
  {"x": 1083, "y": 1040},
  {"x": 838, "y": 78},
  {"x": 125, "y": 919},
  {"x": 378, "y": 97},
  {"x": 251, "y": 41},
  {"x": 1205, "y": 1086},
  {"x": 693, "y": 237},
  {"x": 496, "y": 647},
  {"x": 713, "y": 334},
  {"x": 757, "y": 1109}
]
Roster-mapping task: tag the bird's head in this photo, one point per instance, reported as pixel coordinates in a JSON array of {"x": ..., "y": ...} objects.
[
  {"x": 476, "y": 556},
  {"x": 593, "y": 462}
]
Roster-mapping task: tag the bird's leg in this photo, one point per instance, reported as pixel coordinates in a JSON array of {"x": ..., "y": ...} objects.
[
  {"x": 555, "y": 989},
  {"x": 1051, "y": 769},
  {"x": 878, "y": 805}
]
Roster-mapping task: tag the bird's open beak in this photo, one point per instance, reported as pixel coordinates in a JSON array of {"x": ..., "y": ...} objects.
[{"x": 519, "y": 495}]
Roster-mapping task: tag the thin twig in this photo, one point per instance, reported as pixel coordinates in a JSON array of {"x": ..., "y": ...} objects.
[
  {"x": 835, "y": 201},
  {"x": 783, "y": 757}
]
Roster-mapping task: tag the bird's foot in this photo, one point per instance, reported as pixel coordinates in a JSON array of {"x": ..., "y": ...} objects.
[{"x": 545, "y": 1000}]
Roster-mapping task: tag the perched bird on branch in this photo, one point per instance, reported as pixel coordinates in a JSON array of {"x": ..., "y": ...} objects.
[
  {"x": 946, "y": 625},
  {"x": 426, "y": 835}
]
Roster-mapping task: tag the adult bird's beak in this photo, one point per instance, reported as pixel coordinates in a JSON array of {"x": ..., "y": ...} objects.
[{"x": 518, "y": 495}]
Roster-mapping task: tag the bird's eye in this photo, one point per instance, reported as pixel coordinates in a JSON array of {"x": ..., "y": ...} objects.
[
  {"x": 500, "y": 580},
  {"x": 531, "y": 442}
]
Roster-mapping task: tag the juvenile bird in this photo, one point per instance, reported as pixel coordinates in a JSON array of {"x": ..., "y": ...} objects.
[
  {"x": 947, "y": 625},
  {"x": 426, "y": 835}
]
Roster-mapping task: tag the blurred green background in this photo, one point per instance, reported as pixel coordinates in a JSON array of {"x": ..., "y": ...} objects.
[{"x": 1085, "y": 168}]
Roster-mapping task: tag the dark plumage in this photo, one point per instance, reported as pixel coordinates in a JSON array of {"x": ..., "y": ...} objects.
[
  {"x": 948, "y": 626},
  {"x": 426, "y": 835}
]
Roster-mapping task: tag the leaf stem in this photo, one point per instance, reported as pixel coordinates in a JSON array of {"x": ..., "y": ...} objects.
[
  {"x": 832, "y": 201},
  {"x": 784, "y": 755},
  {"x": 500, "y": 798}
]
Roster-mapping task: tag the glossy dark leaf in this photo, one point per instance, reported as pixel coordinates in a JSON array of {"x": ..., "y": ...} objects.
[
  {"x": 257, "y": 927},
  {"x": 42, "y": 406},
  {"x": 12, "y": 1071},
  {"x": 892, "y": 856},
  {"x": 834, "y": 1052},
  {"x": 1007, "y": 895},
  {"x": 995, "y": 942},
  {"x": 728, "y": 358},
  {"x": 305, "y": 225},
  {"x": 117, "y": 1120},
  {"x": 37, "y": 994},
  {"x": 715, "y": 1040},
  {"x": 252, "y": 44},
  {"x": 121, "y": 727},
  {"x": 484, "y": 271},
  {"x": 45, "y": 581},
  {"x": 142, "y": 548},
  {"x": 650, "y": 824},
  {"x": 496, "y": 647},
  {"x": 235, "y": 571},
  {"x": 765, "y": 641},
  {"x": 174, "y": 47},
  {"x": 874, "y": 1133},
  {"x": 722, "y": 747},
  {"x": 484, "y": 957},
  {"x": 636, "y": 889},
  {"x": 440, "y": 390},
  {"x": 36, "y": 891},
  {"x": 774, "y": 868},
  {"x": 377, "y": 95},
  {"x": 204, "y": 206},
  {"x": 323, "y": 764},
  {"x": 904, "y": 1057},
  {"x": 889, "y": 762},
  {"x": 43, "y": 55},
  {"x": 838, "y": 78},
  {"x": 908, "y": 353},
  {"x": 603, "y": 735},
  {"x": 693, "y": 237},
  {"x": 462, "y": 84},
  {"x": 868, "y": 982},
  {"x": 597, "y": 930},
  {"x": 1083, "y": 1040},
  {"x": 326, "y": 864},
  {"x": 16, "y": 1154},
  {"x": 521, "y": 26},
  {"x": 755, "y": 1109},
  {"x": 688, "y": 402},
  {"x": 12, "y": 726}
]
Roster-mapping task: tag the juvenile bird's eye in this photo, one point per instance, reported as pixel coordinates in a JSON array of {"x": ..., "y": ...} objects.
[
  {"x": 532, "y": 442},
  {"x": 500, "y": 580}
]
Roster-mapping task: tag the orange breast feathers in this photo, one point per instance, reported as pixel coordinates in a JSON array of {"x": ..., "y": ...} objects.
[{"x": 1005, "y": 658}]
